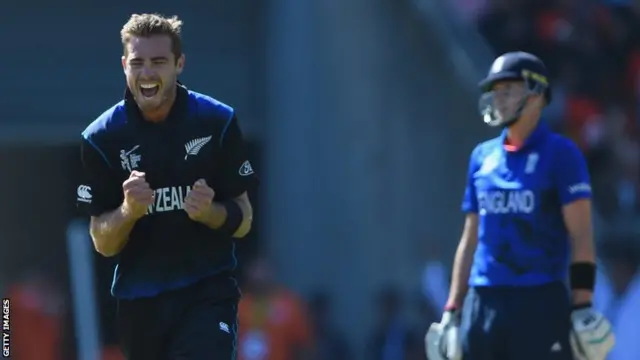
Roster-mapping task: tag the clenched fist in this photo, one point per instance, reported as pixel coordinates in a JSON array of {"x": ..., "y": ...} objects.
[
  {"x": 138, "y": 195},
  {"x": 197, "y": 204}
]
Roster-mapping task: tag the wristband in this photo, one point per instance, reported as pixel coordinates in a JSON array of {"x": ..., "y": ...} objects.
[
  {"x": 451, "y": 307},
  {"x": 234, "y": 218},
  {"x": 582, "y": 276}
]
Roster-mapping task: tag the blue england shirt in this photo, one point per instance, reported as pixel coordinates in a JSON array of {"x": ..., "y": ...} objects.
[
  {"x": 200, "y": 139},
  {"x": 518, "y": 196}
]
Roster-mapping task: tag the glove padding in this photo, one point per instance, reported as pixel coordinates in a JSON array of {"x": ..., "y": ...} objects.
[
  {"x": 442, "y": 341},
  {"x": 591, "y": 335}
]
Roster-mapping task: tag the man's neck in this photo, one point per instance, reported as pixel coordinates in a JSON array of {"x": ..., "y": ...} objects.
[
  {"x": 518, "y": 133},
  {"x": 162, "y": 112}
]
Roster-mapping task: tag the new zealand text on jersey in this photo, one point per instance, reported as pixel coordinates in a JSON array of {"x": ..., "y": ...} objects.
[
  {"x": 506, "y": 202},
  {"x": 168, "y": 199}
]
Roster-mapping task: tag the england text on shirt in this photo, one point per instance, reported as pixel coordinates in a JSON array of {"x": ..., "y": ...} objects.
[{"x": 518, "y": 196}]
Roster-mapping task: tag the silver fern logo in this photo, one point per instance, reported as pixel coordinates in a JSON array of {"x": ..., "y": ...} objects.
[{"x": 193, "y": 147}]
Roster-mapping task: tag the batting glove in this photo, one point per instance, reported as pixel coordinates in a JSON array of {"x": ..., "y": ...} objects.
[
  {"x": 591, "y": 335},
  {"x": 442, "y": 341}
]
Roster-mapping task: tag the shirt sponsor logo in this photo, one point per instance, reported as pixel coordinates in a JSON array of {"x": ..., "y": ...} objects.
[
  {"x": 224, "y": 327},
  {"x": 245, "y": 169},
  {"x": 579, "y": 188}
]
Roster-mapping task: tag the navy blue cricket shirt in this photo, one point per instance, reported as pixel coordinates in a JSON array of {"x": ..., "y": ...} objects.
[
  {"x": 199, "y": 139},
  {"x": 519, "y": 196}
]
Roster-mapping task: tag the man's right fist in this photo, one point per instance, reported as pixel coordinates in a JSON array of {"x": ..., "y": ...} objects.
[{"x": 138, "y": 195}]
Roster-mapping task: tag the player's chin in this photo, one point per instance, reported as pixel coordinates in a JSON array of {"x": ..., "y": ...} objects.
[{"x": 149, "y": 102}]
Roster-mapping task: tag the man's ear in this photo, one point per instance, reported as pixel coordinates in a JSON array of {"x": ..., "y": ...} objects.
[
  {"x": 180, "y": 64},
  {"x": 124, "y": 63}
]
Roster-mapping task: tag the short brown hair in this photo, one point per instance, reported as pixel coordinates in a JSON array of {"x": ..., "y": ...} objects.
[{"x": 147, "y": 25}]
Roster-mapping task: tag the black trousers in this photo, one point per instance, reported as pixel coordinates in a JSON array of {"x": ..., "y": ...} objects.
[
  {"x": 517, "y": 323},
  {"x": 193, "y": 323}
]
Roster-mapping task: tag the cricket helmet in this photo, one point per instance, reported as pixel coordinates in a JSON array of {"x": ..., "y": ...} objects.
[{"x": 520, "y": 66}]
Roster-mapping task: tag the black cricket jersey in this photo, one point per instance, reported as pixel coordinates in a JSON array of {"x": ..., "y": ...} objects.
[{"x": 200, "y": 139}]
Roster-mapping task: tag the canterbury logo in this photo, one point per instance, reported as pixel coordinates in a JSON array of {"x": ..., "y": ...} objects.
[{"x": 193, "y": 147}]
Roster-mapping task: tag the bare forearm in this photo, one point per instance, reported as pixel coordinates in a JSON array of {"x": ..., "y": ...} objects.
[
  {"x": 461, "y": 270},
  {"x": 577, "y": 218},
  {"x": 110, "y": 231},
  {"x": 463, "y": 261},
  {"x": 218, "y": 216},
  {"x": 583, "y": 249}
]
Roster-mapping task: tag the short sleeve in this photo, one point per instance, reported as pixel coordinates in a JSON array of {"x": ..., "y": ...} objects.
[
  {"x": 470, "y": 198},
  {"x": 571, "y": 173},
  {"x": 98, "y": 192},
  {"x": 236, "y": 171}
]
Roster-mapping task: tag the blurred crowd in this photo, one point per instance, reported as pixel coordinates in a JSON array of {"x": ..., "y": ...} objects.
[{"x": 275, "y": 323}]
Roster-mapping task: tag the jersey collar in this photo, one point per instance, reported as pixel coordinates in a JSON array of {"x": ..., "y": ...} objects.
[
  {"x": 176, "y": 112},
  {"x": 541, "y": 130}
]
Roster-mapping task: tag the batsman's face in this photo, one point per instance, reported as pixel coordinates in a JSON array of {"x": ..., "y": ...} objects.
[
  {"x": 507, "y": 98},
  {"x": 151, "y": 70}
]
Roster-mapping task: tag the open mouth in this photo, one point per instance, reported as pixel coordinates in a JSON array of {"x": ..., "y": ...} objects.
[{"x": 149, "y": 90}]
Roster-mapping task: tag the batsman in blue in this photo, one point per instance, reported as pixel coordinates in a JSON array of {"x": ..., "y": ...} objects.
[
  {"x": 524, "y": 270},
  {"x": 166, "y": 182}
]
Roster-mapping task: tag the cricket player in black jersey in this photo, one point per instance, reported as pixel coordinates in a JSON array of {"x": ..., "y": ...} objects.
[{"x": 166, "y": 186}]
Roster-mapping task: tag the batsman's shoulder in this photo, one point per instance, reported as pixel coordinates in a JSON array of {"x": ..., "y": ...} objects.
[
  {"x": 559, "y": 141},
  {"x": 564, "y": 147},
  {"x": 112, "y": 119}
]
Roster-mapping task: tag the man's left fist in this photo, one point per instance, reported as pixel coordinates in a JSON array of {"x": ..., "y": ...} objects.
[{"x": 197, "y": 204}]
